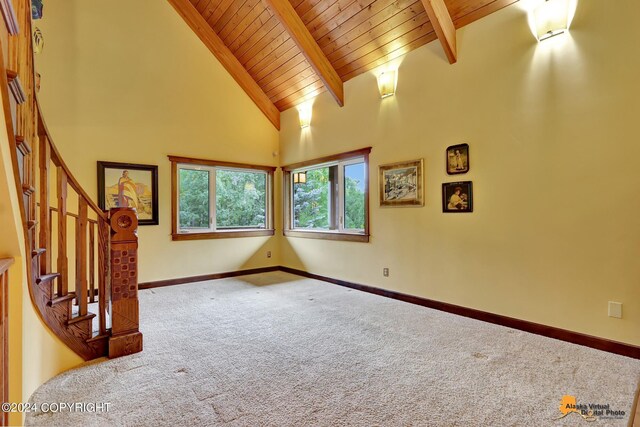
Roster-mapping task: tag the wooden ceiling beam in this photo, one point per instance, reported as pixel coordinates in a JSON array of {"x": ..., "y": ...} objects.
[
  {"x": 299, "y": 33},
  {"x": 443, "y": 25},
  {"x": 209, "y": 37}
]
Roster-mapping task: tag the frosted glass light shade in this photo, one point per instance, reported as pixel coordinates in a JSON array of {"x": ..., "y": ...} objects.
[
  {"x": 551, "y": 18},
  {"x": 387, "y": 83}
]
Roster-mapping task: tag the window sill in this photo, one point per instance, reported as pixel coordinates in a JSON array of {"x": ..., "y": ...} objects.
[
  {"x": 328, "y": 235},
  {"x": 222, "y": 234}
]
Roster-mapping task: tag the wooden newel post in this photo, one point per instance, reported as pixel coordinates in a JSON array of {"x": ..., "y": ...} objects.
[{"x": 125, "y": 336}]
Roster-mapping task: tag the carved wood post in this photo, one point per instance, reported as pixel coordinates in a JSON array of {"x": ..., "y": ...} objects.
[{"x": 125, "y": 336}]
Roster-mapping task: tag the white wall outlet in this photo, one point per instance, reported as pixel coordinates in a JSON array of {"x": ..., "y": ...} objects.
[
  {"x": 385, "y": 272},
  {"x": 615, "y": 309},
  {"x": 268, "y": 254}
]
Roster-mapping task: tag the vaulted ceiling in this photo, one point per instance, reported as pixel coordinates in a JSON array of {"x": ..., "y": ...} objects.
[{"x": 283, "y": 52}]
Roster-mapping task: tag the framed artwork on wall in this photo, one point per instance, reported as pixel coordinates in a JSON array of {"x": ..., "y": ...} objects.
[
  {"x": 36, "y": 9},
  {"x": 401, "y": 184},
  {"x": 129, "y": 185},
  {"x": 457, "y": 196},
  {"x": 458, "y": 159}
]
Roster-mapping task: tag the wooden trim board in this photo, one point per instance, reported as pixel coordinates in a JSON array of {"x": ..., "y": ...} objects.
[
  {"x": 498, "y": 319},
  {"x": 227, "y": 234},
  {"x": 325, "y": 235},
  {"x": 204, "y": 277},
  {"x": 206, "y": 162},
  {"x": 326, "y": 159}
]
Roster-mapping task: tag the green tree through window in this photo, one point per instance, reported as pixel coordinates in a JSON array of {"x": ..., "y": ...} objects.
[
  {"x": 353, "y": 204},
  {"x": 194, "y": 198},
  {"x": 240, "y": 199},
  {"x": 311, "y": 200},
  {"x": 314, "y": 206},
  {"x": 217, "y": 198}
]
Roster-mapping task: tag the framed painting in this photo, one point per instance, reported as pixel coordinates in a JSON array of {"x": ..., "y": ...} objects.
[
  {"x": 36, "y": 9},
  {"x": 401, "y": 184},
  {"x": 129, "y": 185},
  {"x": 457, "y": 196},
  {"x": 458, "y": 159}
]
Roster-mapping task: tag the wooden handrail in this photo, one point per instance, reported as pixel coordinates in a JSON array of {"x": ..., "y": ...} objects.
[
  {"x": 5, "y": 263},
  {"x": 105, "y": 250},
  {"x": 57, "y": 160}
]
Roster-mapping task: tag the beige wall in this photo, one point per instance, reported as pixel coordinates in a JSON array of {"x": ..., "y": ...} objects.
[
  {"x": 130, "y": 82},
  {"x": 552, "y": 135}
]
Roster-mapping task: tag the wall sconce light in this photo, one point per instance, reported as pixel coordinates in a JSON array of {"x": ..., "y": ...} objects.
[
  {"x": 551, "y": 18},
  {"x": 387, "y": 83},
  {"x": 304, "y": 113},
  {"x": 299, "y": 177}
]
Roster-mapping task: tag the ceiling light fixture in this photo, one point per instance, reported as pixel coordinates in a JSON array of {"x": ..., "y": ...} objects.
[{"x": 551, "y": 18}]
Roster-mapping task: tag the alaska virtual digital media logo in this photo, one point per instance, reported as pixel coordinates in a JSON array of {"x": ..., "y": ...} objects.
[{"x": 588, "y": 411}]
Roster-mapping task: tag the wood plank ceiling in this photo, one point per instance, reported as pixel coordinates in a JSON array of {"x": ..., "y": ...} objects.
[{"x": 283, "y": 52}]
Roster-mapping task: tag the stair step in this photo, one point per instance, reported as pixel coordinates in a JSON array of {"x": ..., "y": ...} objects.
[
  {"x": 32, "y": 223},
  {"x": 23, "y": 145},
  {"x": 28, "y": 189},
  {"x": 47, "y": 278},
  {"x": 14, "y": 84},
  {"x": 60, "y": 300},
  {"x": 88, "y": 316},
  {"x": 38, "y": 252}
]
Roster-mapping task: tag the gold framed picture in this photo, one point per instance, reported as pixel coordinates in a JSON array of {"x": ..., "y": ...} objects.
[{"x": 401, "y": 184}]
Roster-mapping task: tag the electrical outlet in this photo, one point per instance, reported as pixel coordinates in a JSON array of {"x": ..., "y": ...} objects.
[
  {"x": 615, "y": 309},
  {"x": 268, "y": 254},
  {"x": 385, "y": 272}
]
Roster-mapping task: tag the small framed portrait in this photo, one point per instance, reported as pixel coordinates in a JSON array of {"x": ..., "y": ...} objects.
[
  {"x": 457, "y": 196},
  {"x": 401, "y": 184},
  {"x": 36, "y": 9},
  {"x": 458, "y": 159},
  {"x": 129, "y": 185}
]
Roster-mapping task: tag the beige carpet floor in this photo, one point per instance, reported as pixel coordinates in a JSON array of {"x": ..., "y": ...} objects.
[{"x": 279, "y": 350}]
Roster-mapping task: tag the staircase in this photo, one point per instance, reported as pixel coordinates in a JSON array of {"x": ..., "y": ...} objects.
[{"x": 90, "y": 303}]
